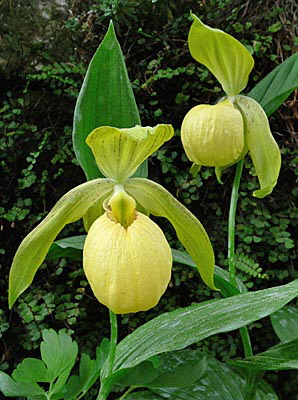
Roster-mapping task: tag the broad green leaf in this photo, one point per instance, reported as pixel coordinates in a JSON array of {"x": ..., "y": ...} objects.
[
  {"x": 70, "y": 247},
  {"x": 220, "y": 382},
  {"x": 174, "y": 371},
  {"x": 221, "y": 276},
  {"x": 285, "y": 323},
  {"x": 142, "y": 395},
  {"x": 10, "y": 388},
  {"x": 106, "y": 98},
  {"x": 159, "y": 202},
  {"x": 227, "y": 59},
  {"x": 279, "y": 357},
  {"x": 33, "y": 249},
  {"x": 274, "y": 89},
  {"x": 59, "y": 353},
  {"x": 180, "y": 328},
  {"x": 263, "y": 148},
  {"x": 31, "y": 370},
  {"x": 119, "y": 152}
]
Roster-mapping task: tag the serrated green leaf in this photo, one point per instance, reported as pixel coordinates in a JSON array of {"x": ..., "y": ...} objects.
[
  {"x": 10, "y": 388},
  {"x": 275, "y": 88},
  {"x": 280, "y": 357},
  {"x": 105, "y": 99},
  {"x": 180, "y": 328},
  {"x": 33, "y": 249},
  {"x": 285, "y": 323},
  {"x": 227, "y": 59},
  {"x": 59, "y": 353},
  {"x": 159, "y": 202},
  {"x": 31, "y": 370},
  {"x": 89, "y": 371}
]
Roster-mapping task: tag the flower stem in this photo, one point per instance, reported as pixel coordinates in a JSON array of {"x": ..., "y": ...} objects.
[
  {"x": 232, "y": 218},
  {"x": 113, "y": 342},
  {"x": 107, "y": 385},
  {"x": 251, "y": 376}
]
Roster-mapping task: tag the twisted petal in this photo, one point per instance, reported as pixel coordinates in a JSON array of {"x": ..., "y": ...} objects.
[
  {"x": 128, "y": 268},
  {"x": 227, "y": 59},
  {"x": 158, "y": 201},
  {"x": 33, "y": 249},
  {"x": 263, "y": 148},
  {"x": 119, "y": 152}
]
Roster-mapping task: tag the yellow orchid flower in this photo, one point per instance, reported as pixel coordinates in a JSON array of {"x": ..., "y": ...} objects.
[
  {"x": 126, "y": 258},
  {"x": 220, "y": 135}
]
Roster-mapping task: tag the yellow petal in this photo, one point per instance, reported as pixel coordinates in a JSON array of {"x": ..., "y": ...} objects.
[
  {"x": 128, "y": 268},
  {"x": 119, "y": 152},
  {"x": 213, "y": 135},
  {"x": 159, "y": 202}
]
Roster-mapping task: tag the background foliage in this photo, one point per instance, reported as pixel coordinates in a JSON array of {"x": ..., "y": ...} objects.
[{"x": 45, "y": 49}]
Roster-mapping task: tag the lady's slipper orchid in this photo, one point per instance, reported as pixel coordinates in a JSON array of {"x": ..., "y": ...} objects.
[
  {"x": 126, "y": 257},
  {"x": 222, "y": 134}
]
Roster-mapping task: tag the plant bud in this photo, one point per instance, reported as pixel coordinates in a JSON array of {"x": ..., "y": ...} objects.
[
  {"x": 213, "y": 135},
  {"x": 128, "y": 268}
]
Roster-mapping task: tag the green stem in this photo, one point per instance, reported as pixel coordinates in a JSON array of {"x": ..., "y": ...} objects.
[
  {"x": 232, "y": 218},
  {"x": 113, "y": 342},
  {"x": 251, "y": 376},
  {"x": 106, "y": 387}
]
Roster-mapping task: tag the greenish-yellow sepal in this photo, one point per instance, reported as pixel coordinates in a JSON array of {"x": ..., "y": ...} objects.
[
  {"x": 119, "y": 152},
  {"x": 159, "y": 202},
  {"x": 33, "y": 249},
  {"x": 227, "y": 59},
  {"x": 263, "y": 148}
]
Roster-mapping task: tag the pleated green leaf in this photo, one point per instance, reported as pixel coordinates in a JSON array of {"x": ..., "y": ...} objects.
[
  {"x": 33, "y": 249},
  {"x": 221, "y": 276},
  {"x": 263, "y": 148},
  {"x": 220, "y": 382},
  {"x": 106, "y": 98},
  {"x": 159, "y": 202},
  {"x": 285, "y": 323},
  {"x": 274, "y": 89},
  {"x": 180, "y": 328},
  {"x": 171, "y": 371},
  {"x": 280, "y": 357},
  {"x": 227, "y": 59}
]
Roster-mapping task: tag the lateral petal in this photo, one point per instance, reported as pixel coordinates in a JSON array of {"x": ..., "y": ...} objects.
[
  {"x": 263, "y": 148},
  {"x": 33, "y": 249}
]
